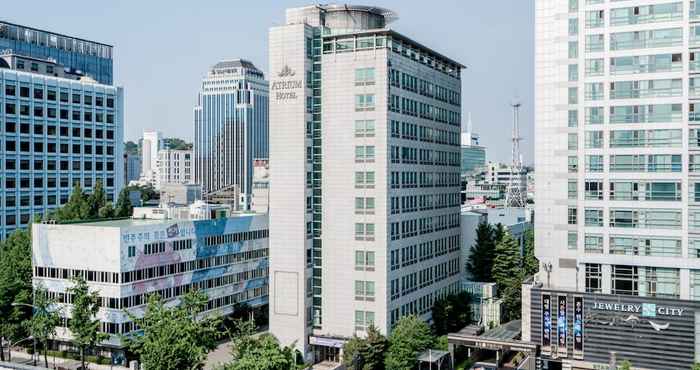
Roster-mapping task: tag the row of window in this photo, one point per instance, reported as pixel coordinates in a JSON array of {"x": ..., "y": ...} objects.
[
  {"x": 635, "y": 139},
  {"x": 633, "y": 245},
  {"x": 627, "y": 190},
  {"x": 39, "y": 92},
  {"x": 425, "y": 88},
  {"x": 641, "y": 281},
  {"x": 57, "y": 148},
  {"x": 421, "y": 252},
  {"x": 415, "y": 108},
  {"x": 413, "y": 179},
  {"x": 423, "y": 202},
  {"x": 629, "y": 218},
  {"x": 215, "y": 240},
  {"x": 423, "y": 304},
  {"x": 413, "y": 281},
  {"x": 424, "y": 225},
  {"x": 628, "y": 163},
  {"x": 634, "y": 64},
  {"x": 63, "y": 131},
  {"x": 653, "y": 113},
  {"x": 416, "y": 132},
  {"x": 51, "y": 113},
  {"x": 410, "y": 155}
]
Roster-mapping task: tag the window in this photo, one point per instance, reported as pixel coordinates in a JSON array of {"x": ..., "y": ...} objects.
[
  {"x": 573, "y": 72},
  {"x": 594, "y": 139},
  {"x": 364, "y": 102},
  {"x": 573, "y": 189},
  {"x": 594, "y": 163},
  {"x": 572, "y": 143},
  {"x": 364, "y": 290},
  {"x": 364, "y": 231},
  {"x": 364, "y": 261},
  {"x": 131, "y": 251},
  {"x": 593, "y": 243},
  {"x": 573, "y": 164},
  {"x": 364, "y": 180},
  {"x": 594, "y": 278},
  {"x": 573, "y": 95},
  {"x": 572, "y": 216},
  {"x": 593, "y": 217},
  {"x": 364, "y": 153},
  {"x": 364, "y": 128},
  {"x": 364, "y": 205},
  {"x": 364, "y": 76},
  {"x": 363, "y": 320},
  {"x": 594, "y": 190},
  {"x": 573, "y": 118},
  {"x": 646, "y": 246},
  {"x": 572, "y": 240},
  {"x": 573, "y": 49}
]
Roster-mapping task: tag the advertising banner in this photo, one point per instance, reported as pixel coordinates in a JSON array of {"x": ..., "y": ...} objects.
[{"x": 562, "y": 326}]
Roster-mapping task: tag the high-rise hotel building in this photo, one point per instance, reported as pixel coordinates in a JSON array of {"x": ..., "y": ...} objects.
[
  {"x": 617, "y": 158},
  {"x": 364, "y": 184},
  {"x": 61, "y": 122},
  {"x": 230, "y": 129}
]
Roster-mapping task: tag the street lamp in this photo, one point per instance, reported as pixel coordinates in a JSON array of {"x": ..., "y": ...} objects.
[
  {"x": 548, "y": 268},
  {"x": 9, "y": 346},
  {"x": 34, "y": 308}
]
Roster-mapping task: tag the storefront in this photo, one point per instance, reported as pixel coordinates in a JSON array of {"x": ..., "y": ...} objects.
[{"x": 591, "y": 331}]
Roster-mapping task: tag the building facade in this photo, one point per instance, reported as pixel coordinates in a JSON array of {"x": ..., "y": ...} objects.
[
  {"x": 174, "y": 167},
  {"x": 230, "y": 128},
  {"x": 151, "y": 143},
  {"x": 55, "y": 132},
  {"x": 364, "y": 164},
  {"x": 77, "y": 57},
  {"x": 473, "y": 155},
  {"x": 132, "y": 168},
  {"x": 125, "y": 261},
  {"x": 616, "y": 153}
]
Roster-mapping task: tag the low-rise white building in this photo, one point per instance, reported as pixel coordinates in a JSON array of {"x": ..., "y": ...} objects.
[
  {"x": 165, "y": 251},
  {"x": 174, "y": 167}
]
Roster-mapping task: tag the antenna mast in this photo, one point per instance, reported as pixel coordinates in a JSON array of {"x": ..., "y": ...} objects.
[{"x": 515, "y": 194}]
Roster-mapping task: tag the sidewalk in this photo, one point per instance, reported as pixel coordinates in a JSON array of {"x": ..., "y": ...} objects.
[{"x": 26, "y": 359}]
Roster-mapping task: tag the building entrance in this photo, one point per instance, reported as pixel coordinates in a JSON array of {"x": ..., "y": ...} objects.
[{"x": 326, "y": 354}]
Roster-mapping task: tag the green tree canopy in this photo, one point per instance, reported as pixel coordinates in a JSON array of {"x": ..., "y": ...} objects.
[
  {"x": 262, "y": 352},
  {"x": 410, "y": 337},
  {"x": 451, "y": 313},
  {"x": 123, "y": 207},
  {"x": 530, "y": 263},
  {"x": 15, "y": 285},
  {"x": 96, "y": 200},
  {"x": 83, "y": 324},
  {"x": 77, "y": 207},
  {"x": 508, "y": 274},
  {"x": 46, "y": 318},
  {"x": 174, "y": 338},
  {"x": 480, "y": 260},
  {"x": 365, "y": 353}
]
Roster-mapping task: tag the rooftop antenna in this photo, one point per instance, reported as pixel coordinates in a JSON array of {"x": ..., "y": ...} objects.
[{"x": 515, "y": 194}]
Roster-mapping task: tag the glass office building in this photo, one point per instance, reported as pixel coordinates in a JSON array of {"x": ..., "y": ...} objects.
[
  {"x": 77, "y": 56},
  {"x": 230, "y": 129},
  {"x": 473, "y": 157}
]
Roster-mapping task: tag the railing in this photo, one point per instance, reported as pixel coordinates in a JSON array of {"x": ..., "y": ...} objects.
[
  {"x": 646, "y": 118},
  {"x": 646, "y": 68},
  {"x": 642, "y": 44},
  {"x": 646, "y": 18},
  {"x": 646, "y": 93}
]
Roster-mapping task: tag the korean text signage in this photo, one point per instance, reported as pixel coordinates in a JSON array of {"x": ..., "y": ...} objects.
[
  {"x": 546, "y": 322},
  {"x": 285, "y": 89},
  {"x": 578, "y": 327},
  {"x": 645, "y": 309},
  {"x": 561, "y": 325}
]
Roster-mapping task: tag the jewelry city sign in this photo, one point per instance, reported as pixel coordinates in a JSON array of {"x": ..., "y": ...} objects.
[
  {"x": 286, "y": 89},
  {"x": 645, "y": 309}
]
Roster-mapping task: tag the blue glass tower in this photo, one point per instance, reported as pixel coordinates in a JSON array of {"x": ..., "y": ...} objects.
[
  {"x": 77, "y": 56},
  {"x": 230, "y": 128}
]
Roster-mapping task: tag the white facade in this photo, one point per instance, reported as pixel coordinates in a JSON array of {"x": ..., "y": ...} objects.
[
  {"x": 174, "y": 166},
  {"x": 340, "y": 166},
  {"x": 162, "y": 252},
  {"x": 616, "y": 146},
  {"x": 151, "y": 143}
]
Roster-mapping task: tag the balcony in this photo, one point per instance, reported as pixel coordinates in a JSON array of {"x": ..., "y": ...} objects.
[
  {"x": 660, "y": 92},
  {"x": 646, "y": 43}
]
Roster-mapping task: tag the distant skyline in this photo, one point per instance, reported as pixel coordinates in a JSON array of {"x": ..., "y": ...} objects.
[{"x": 163, "y": 49}]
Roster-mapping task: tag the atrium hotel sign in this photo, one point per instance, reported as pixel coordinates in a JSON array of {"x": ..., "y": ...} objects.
[
  {"x": 286, "y": 89},
  {"x": 645, "y": 309}
]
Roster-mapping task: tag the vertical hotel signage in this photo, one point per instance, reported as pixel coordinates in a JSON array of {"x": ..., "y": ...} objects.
[
  {"x": 578, "y": 328},
  {"x": 546, "y": 323},
  {"x": 562, "y": 326}
]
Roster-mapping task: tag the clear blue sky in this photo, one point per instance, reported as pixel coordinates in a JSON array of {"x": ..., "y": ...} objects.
[{"x": 163, "y": 49}]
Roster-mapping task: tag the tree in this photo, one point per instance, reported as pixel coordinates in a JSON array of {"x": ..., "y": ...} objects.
[
  {"x": 451, "y": 313},
  {"x": 498, "y": 233},
  {"x": 696, "y": 366},
  {"x": 77, "y": 207},
  {"x": 107, "y": 211},
  {"x": 83, "y": 325},
  {"x": 15, "y": 286},
  {"x": 530, "y": 263},
  {"x": 508, "y": 274},
  {"x": 625, "y": 365},
  {"x": 177, "y": 144},
  {"x": 177, "y": 337},
  {"x": 42, "y": 325},
  {"x": 410, "y": 337},
  {"x": 365, "y": 353},
  {"x": 124, "y": 207},
  {"x": 258, "y": 353},
  {"x": 131, "y": 147},
  {"x": 96, "y": 200},
  {"x": 480, "y": 260}
]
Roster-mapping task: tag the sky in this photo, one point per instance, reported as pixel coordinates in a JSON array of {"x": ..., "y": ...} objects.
[{"x": 162, "y": 50}]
